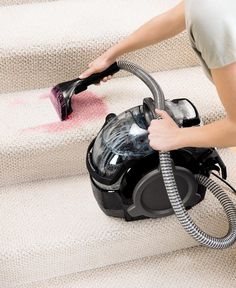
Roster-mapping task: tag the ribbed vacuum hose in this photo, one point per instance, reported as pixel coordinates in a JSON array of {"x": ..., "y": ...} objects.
[
  {"x": 170, "y": 183},
  {"x": 182, "y": 214}
]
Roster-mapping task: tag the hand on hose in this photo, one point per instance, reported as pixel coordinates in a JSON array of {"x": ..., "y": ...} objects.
[
  {"x": 98, "y": 65},
  {"x": 164, "y": 134}
]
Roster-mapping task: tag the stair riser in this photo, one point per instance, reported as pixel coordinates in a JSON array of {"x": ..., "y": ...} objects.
[
  {"x": 49, "y": 67},
  {"x": 41, "y": 164},
  {"x": 214, "y": 269}
]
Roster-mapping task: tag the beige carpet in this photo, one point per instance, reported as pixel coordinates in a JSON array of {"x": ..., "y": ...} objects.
[
  {"x": 191, "y": 268},
  {"x": 54, "y": 41},
  {"x": 50, "y": 224},
  {"x": 17, "y": 2},
  {"x": 55, "y": 227}
]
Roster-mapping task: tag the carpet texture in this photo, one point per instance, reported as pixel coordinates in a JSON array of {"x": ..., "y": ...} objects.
[
  {"x": 18, "y": 2},
  {"x": 55, "y": 227},
  {"x": 51, "y": 228},
  {"x": 191, "y": 268},
  {"x": 39, "y": 49}
]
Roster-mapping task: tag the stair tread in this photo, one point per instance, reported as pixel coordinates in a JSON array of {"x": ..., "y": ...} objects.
[
  {"x": 55, "y": 227},
  {"x": 31, "y": 126},
  {"x": 54, "y": 41},
  {"x": 50, "y": 14},
  {"x": 195, "y": 267},
  {"x": 34, "y": 112}
]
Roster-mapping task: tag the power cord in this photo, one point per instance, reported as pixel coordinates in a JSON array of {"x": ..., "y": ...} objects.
[{"x": 224, "y": 181}]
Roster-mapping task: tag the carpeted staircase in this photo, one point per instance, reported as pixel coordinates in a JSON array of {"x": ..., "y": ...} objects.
[{"x": 52, "y": 232}]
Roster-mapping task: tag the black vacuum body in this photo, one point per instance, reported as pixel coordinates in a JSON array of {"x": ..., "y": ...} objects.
[
  {"x": 131, "y": 180},
  {"x": 125, "y": 172}
]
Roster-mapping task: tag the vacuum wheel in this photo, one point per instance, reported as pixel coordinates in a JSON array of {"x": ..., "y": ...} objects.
[{"x": 151, "y": 200}]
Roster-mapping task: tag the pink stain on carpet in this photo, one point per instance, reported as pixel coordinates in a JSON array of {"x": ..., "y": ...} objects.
[
  {"x": 44, "y": 96},
  {"x": 17, "y": 102},
  {"x": 86, "y": 106}
]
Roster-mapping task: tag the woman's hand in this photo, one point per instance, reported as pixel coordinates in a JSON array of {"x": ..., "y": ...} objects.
[
  {"x": 98, "y": 65},
  {"x": 164, "y": 134}
]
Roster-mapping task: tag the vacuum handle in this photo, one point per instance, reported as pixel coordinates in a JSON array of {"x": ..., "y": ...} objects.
[{"x": 96, "y": 77}]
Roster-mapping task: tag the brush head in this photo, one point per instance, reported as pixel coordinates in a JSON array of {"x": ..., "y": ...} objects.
[
  {"x": 61, "y": 94},
  {"x": 60, "y": 102}
]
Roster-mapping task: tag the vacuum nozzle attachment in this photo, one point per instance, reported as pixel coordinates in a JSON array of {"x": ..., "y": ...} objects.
[{"x": 62, "y": 93}]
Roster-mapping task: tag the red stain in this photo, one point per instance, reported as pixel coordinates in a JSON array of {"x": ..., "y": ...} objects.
[
  {"x": 17, "y": 102},
  {"x": 86, "y": 106},
  {"x": 44, "y": 96}
]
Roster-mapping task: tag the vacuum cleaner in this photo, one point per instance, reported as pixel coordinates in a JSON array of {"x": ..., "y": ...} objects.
[{"x": 130, "y": 180}]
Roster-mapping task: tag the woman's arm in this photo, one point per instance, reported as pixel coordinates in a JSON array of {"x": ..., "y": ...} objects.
[
  {"x": 159, "y": 28},
  {"x": 221, "y": 133}
]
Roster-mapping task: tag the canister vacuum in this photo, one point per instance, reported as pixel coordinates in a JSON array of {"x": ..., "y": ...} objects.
[{"x": 129, "y": 179}]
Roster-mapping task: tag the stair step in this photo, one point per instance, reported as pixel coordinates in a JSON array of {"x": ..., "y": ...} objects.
[
  {"x": 55, "y": 227},
  {"x": 37, "y": 145},
  {"x": 195, "y": 267},
  {"x": 55, "y": 41}
]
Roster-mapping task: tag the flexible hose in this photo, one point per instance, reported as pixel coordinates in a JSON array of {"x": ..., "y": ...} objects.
[
  {"x": 182, "y": 214},
  {"x": 170, "y": 183},
  {"x": 138, "y": 71}
]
